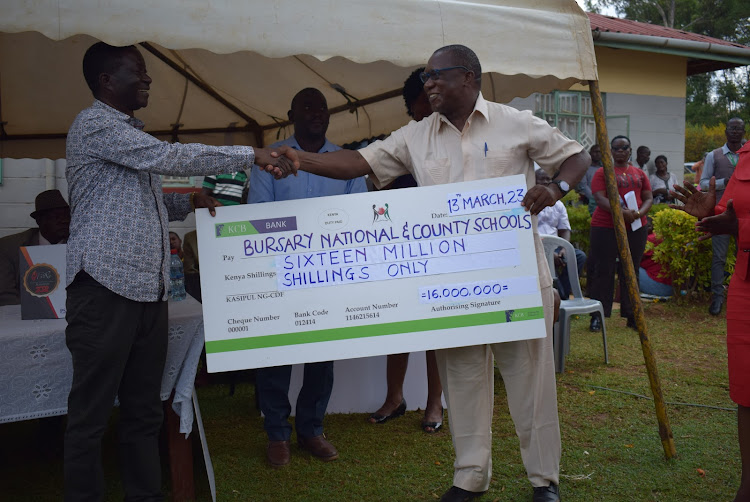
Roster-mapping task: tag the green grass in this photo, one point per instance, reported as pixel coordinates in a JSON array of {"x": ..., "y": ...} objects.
[{"x": 611, "y": 447}]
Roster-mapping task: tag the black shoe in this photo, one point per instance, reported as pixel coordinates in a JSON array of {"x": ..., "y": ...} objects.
[
  {"x": 549, "y": 493},
  {"x": 715, "y": 307},
  {"x": 596, "y": 324},
  {"x": 631, "y": 322},
  {"x": 376, "y": 418},
  {"x": 456, "y": 494}
]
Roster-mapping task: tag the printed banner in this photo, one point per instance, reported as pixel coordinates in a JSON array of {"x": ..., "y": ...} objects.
[
  {"x": 368, "y": 274},
  {"x": 42, "y": 280}
]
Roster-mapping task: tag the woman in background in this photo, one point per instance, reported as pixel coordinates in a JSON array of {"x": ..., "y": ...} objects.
[
  {"x": 418, "y": 107},
  {"x": 662, "y": 181},
  {"x": 602, "y": 261}
]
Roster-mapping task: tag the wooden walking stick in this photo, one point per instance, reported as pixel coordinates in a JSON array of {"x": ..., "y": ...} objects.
[{"x": 626, "y": 263}]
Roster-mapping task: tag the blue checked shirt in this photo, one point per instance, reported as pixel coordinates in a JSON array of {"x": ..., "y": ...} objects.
[{"x": 119, "y": 227}]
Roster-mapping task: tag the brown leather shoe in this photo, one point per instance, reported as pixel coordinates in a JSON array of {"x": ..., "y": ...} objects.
[
  {"x": 278, "y": 453},
  {"x": 319, "y": 447}
]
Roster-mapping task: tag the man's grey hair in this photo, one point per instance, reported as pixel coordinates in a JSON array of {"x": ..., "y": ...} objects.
[
  {"x": 464, "y": 57},
  {"x": 735, "y": 119}
]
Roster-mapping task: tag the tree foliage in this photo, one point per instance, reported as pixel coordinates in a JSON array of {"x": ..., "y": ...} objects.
[
  {"x": 700, "y": 139},
  {"x": 714, "y": 18}
]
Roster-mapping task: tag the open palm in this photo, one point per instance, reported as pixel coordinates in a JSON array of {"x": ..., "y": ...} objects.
[{"x": 697, "y": 203}]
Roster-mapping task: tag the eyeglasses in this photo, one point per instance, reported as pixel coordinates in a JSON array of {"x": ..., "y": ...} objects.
[
  {"x": 734, "y": 128},
  {"x": 435, "y": 74},
  {"x": 620, "y": 148}
]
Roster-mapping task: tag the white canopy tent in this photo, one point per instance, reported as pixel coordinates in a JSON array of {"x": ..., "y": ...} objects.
[
  {"x": 226, "y": 71},
  {"x": 220, "y": 66}
]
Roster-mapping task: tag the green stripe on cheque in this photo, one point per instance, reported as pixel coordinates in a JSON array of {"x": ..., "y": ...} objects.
[{"x": 392, "y": 328}]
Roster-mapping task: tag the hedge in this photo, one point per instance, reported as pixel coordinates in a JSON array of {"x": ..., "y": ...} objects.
[{"x": 683, "y": 257}]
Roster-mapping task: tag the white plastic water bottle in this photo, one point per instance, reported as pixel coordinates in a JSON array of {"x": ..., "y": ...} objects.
[{"x": 176, "y": 278}]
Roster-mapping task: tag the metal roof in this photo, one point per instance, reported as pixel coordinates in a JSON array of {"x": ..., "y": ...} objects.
[
  {"x": 704, "y": 53},
  {"x": 617, "y": 25}
]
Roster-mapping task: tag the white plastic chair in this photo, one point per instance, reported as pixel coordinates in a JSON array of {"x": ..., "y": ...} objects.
[{"x": 569, "y": 308}]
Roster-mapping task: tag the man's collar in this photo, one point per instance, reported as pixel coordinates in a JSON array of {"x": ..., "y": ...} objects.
[
  {"x": 480, "y": 106},
  {"x": 104, "y": 106},
  {"x": 725, "y": 149},
  {"x": 120, "y": 115},
  {"x": 292, "y": 142}
]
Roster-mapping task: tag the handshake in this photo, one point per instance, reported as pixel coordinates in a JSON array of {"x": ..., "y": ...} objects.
[{"x": 280, "y": 162}]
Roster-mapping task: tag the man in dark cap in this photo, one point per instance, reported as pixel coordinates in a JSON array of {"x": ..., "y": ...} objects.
[{"x": 52, "y": 214}]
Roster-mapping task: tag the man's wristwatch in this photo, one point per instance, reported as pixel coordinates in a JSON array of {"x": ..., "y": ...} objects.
[{"x": 563, "y": 186}]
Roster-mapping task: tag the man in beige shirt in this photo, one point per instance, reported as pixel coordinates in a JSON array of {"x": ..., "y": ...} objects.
[{"x": 469, "y": 139}]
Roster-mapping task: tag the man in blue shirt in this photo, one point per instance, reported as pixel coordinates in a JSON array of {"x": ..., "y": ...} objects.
[{"x": 310, "y": 116}]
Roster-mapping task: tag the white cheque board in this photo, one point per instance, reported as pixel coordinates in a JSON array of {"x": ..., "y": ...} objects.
[{"x": 368, "y": 274}]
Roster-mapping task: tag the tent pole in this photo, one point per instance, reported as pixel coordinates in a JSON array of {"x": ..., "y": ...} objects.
[{"x": 626, "y": 262}]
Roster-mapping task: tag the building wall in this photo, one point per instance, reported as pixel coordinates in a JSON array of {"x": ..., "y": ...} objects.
[
  {"x": 650, "y": 89},
  {"x": 637, "y": 72},
  {"x": 656, "y": 122}
]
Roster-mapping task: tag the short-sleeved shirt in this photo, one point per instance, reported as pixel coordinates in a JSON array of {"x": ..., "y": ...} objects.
[
  {"x": 552, "y": 219},
  {"x": 628, "y": 179},
  {"x": 227, "y": 188},
  {"x": 497, "y": 140}
]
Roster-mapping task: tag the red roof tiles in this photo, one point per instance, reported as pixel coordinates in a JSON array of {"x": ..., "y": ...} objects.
[{"x": 617, "y": 25}]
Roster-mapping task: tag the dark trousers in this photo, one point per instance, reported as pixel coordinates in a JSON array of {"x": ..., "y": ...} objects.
[
  {"x": 602, "y": 265},
  {"x": 119, "y": 347},
  {"x": 272, "y": 385},
  {"x": 720, "y": 246}
]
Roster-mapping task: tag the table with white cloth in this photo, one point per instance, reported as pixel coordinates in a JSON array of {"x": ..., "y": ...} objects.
[
  {"x": 36, "y": 372},
  {"x": 36, "y": 368}
]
